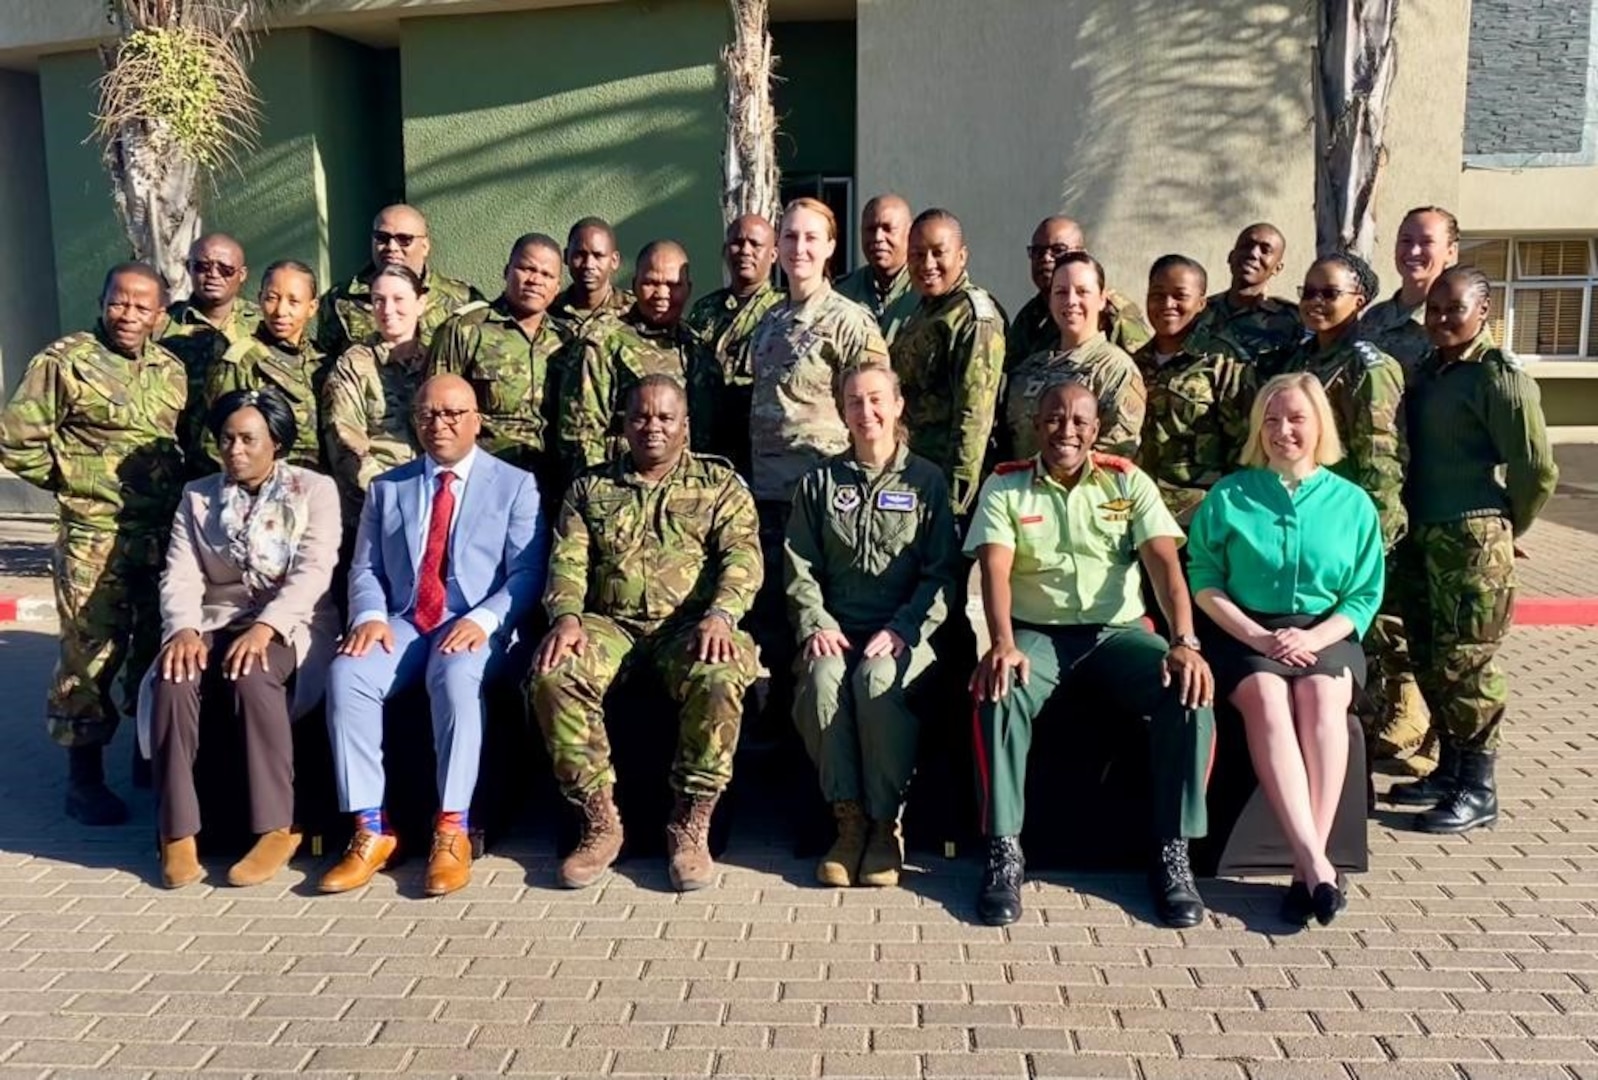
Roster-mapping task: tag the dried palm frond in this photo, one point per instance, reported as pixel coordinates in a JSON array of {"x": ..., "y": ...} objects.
[{"x": 750, "y": 179}]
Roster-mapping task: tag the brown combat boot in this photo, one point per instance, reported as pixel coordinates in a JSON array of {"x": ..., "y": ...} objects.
[
  {"x": 884, "y": 856},
  {"x": 688, "y": 842},
  {"x": 180, "y": 863},
  {"x": 1404, "y": 725},
  {"x": 271, "y": 853},
  {"x": 842, "y": 861},
  {"x": 599, "y": 845}
]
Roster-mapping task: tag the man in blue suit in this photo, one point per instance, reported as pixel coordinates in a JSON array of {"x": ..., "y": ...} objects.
[{"x": 450, "y": 555}]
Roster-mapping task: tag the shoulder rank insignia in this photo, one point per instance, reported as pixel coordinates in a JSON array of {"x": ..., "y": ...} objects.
[
  {"x": 1006, "y": 468},
  {"x": 1369, "y": 353},
  {"x": 982, "y": 304},
  {"x": 1112, "y": 462},
  {"x": 471, "y": 306}
]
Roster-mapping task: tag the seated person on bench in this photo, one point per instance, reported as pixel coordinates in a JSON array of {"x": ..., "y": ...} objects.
[
  {"x": 1287, "y": 561},
  {"x": 656, "y": 559},
  {"x": 448, "y": 560},
  {"x": 1059, "y": 538}
]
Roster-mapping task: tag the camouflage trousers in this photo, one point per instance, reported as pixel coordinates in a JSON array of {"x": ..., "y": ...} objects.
[
  {"x": 107, "y": 595},
  {"x": 1387, "y": 656},
  {"x": 569, "y": 702},
  {"x": 1458, "y": 582}
]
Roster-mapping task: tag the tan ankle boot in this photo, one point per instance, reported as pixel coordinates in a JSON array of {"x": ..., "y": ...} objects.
[
  {"x": 884, "y": 855},
  {"x": 599, "y": 844},
  {"x": 1423, "y": 762},
  {"x": 841, "y": 863},
  {"x": 1405, "y": 720},
  {"x": 271, "y": 853},
  {"x": 180, "y": 863},
  {"x": 688, "y": 843}
]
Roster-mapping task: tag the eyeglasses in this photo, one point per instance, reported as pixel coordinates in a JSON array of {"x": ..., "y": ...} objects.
[
  {"x": 403, "y": 239},
  {"x": 449, "y": 417},
  {"x": 1330, "y": 292},
  {"x": 1059, "y": 251},
  {"x": 202, "y": 267}
]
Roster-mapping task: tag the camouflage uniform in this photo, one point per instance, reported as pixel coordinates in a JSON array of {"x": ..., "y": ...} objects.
[
  {"x": 366, "y": 417},
  {"x": 1034, "y": 330},
  {"x": 1196, "y": 426},
  {"x": 1097, "y": 364},
  {"x": 344, "y": 317},
  {"x": 892, "y": 309},
  {"x": 574, "y": 319},
  {"x": 609, "y": 358},
  {"x": 641, "y": 565},
  {"x": 867, "y": 551},
  {"x": 1271, "y": 324},
  {"x": 297, "y": 374},
  {"x": 726, "y": 322},
  {"x": 518, "y": 383},
  {"x": 1470, "y": 421},
  {"x": 1398, "y": 331},
  {"x": 949, "y": 357},
  {"x": 100, "y": 431},
  {"x": 200, "y": 343}
]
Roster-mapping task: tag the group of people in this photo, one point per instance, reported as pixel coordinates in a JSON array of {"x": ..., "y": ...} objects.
[{"x": 330, "y": 498}]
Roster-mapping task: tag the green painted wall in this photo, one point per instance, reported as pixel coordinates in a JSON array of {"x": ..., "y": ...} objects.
[
  {"x": 27, "y": 257},
  {"x": 527, "y": 121},
  {"x": 815, "y": 97}
]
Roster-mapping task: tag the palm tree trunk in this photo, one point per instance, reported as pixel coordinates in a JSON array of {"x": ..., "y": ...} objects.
[
  {"x": 1355, "y": 57},
  {"x": 750, "y": 179}
]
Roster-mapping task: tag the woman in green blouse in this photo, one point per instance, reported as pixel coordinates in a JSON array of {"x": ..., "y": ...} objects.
[{"x": 1286, "y": 559}]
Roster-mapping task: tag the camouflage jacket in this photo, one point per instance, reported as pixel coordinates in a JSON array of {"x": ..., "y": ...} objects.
[
  {"x": 1271, "y": 324},
  {"x": 651, "y": 554},
  {"x": 1398, "y": 331},
  {"x": 297, "y": 374},
  {"x": 1196, "y": 423},
  {"x": 518, "y": 381},
  {"x": 1101, "y": 367},
  {"x": 949, "y": 358},
  {"x": 1366, "y": 389},
  {"x": 1033, "y": 330},
  {"x": 573, "y": 318},
  {"x": 200, "y": 343},
  {"x": 366, "y": 417},
  {"x": 100, "y": 431},
  {"x": 797, "y": 353},
  {"x": 344, "y": 317},
  {"x": 891, "y": 309},
  {"x": 725, "y": 322}
]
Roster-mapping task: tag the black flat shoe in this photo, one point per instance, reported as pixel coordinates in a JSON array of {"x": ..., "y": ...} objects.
[
  {"x": 1297, "y": 907},
  {"x": 1328, "y": 899}
]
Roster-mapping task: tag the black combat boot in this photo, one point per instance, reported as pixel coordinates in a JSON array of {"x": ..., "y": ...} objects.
[
  {"x": 89, "y": 801},
  {"x": 1176, "y": 896},
  {"x": 999, "y": 896},
  {"x": 1437, "y": 786},
  {"x": 1473, "y": 802}
]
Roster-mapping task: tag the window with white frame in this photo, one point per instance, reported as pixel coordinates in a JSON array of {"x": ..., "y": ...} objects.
[{"x": 1544, "y": 295}]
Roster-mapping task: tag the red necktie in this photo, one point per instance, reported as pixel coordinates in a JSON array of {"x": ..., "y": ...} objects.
[{"x": 430, "y": 586}]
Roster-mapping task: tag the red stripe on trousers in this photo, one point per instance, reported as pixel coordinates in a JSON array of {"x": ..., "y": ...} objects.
[{"x": 981, "y": 752}]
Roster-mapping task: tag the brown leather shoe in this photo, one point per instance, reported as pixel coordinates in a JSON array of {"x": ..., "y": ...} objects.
[
  {"x": 688, "y": 843},
  {"x": 180, "y": 863},
  {"x": 271, "y": 853},
  {"x": 368, "y": 853},
  {"x": 599, "y": 845},
  {"x": 449, "y": 867}
]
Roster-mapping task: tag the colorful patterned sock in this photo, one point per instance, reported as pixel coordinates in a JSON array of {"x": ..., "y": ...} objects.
[
  {"x": 372, "y": 820},
  {"x": 453, "y": 821}
]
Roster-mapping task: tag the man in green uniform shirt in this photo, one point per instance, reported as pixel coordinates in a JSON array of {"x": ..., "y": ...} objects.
[
  {"x": 1059, "y": 539},
  {"x": 1033, "y": 329},
  {"x": 1247, "y": 312},
  {"x": 200, "y": 329},
  {"x": 656, "y": 559},
  {"x": 399, "y": 235},
  {"x": 95, "y": 420},
  {"x": 882, "y": 285},
  {"x": 593, "y": 259}
]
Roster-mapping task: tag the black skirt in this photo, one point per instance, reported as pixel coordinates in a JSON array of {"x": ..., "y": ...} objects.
[{"x": 1232, "y": 661}]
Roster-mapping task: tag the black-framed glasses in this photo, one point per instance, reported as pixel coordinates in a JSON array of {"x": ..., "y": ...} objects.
[
  {"x": 403, "y": 239},
  {"x": 202, "y": 267},
  {"x": 448, "y": 417},
  {"x": 1058, "y": 251},
  {"x": 1328, "y": 292}
]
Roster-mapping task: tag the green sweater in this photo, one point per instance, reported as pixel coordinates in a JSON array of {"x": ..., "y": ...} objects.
[
  {"x": 1313, "y": 551},
  {"x": 1472, "y": 421}
]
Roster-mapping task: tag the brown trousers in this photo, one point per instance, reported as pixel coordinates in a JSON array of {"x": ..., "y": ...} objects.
[{"x": 261, "y": 701}]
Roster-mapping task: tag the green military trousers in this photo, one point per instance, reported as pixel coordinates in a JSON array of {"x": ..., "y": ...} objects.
[
  {"x": 108, "y": 598},
  {"x": 1460, "y": 590},
  {"x": 857, "y": 725},
  {"x": 1116, "y": 663},
  {"x": 1387, "y": 656},
  {"x": 569, "y": 703}
]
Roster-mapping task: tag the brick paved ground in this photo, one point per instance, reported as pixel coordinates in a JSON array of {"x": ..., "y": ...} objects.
[{"x": 1467, "y": 957}]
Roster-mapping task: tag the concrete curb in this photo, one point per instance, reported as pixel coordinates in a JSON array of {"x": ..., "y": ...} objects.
[{"x": 26, "y": 608}]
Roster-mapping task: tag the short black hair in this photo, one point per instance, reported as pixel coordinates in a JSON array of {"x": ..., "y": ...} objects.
[
  {"x": 583, "y": 224},
  {"x": 1363, "y": 275},
  {"x": 401, "y": 272},
  {"x": 297, "y": 267},
  {"x": 1065, "y": 386},
  {"x": 133, "y": 269},
  {"x": 657, "y": 380},
  {"x": 1480, "y": 286},
  {"x": 534, "y": 239},
  {"x": 938, "y": 213},
  {"x": 1071, "y": 258},
  {"x": 1172, "y": 262},
  {"x": 280, "y": 423}
]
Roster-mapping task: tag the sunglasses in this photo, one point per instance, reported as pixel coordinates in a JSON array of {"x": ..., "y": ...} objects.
[
  {"x": 202, "y": 267},
  {"x": 1330, "y": 292},
  {"x": 404, "y": 240}
]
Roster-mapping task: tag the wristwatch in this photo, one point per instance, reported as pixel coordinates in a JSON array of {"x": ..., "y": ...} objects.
[
  {"x": 725, "y": 616},
  {"x": 1189, "y": 641}
]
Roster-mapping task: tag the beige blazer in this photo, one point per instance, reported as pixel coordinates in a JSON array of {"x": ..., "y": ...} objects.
[{"x": 204, "y": 589}]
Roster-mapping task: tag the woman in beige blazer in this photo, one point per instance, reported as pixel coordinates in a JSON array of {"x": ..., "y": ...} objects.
[{"x": 246, "y": 616}]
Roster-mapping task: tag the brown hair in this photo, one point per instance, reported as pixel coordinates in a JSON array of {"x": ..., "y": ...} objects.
[
  {"x": 1448, "y": 219},
  {"x": 815, "y": 206},
  {"x": 901, "y": 433}
]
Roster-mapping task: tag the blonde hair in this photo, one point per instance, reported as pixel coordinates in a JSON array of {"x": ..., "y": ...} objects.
[
  {"x": 815, "y": 206},
  {"x": 1328, "y": 447}
]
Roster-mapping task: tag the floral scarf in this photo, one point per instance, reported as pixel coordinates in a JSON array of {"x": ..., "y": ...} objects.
[{"x": 263, "y": 530}]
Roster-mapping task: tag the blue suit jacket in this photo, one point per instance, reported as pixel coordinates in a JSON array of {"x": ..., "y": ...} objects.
[{"x": 498, "y": 549}]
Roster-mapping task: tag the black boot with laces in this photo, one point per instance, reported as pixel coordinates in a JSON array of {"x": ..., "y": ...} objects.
[
  {"x": 999, "y": 897},
  {"x": 1176, "y": 895}
]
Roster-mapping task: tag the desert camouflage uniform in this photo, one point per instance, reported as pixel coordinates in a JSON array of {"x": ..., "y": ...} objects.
[
  {"x": 574, "y": 319},
  {"x": 1196, "y": 425},
  {"x": 200, "y": 343},
  {"x": 1033, "y": 330},
  {"x": 1470, "y": 422},
  {"x": 892, "y": 308},
  {"x": 297, "y": 374},
  {"x": 1261, "y": 328},
  {"x": 344, "y": 317},
  {"x": 366, "y": 417},
  {"x": 1097, "y": 364},
  {"x": 949, "y": 357},
  {"x": 641, "y": 565},
  {"x": 1398, "y": 331},
  {"x": 100, "y": 431}
]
